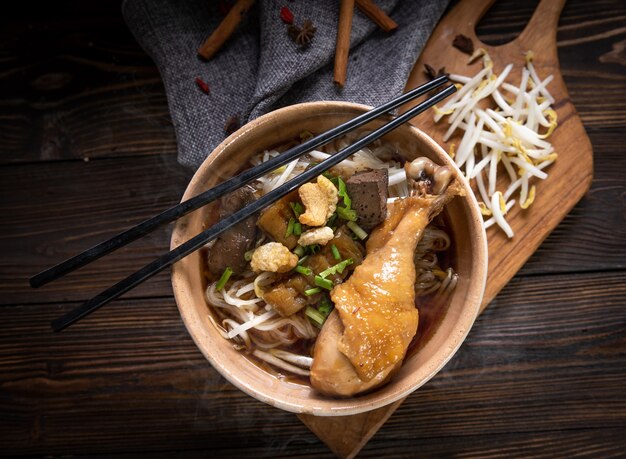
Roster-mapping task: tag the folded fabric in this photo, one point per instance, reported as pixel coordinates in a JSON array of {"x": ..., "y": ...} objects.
[{"x": 260, "y": 69}]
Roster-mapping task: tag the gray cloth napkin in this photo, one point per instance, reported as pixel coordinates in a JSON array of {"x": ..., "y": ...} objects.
[{"x": 260, "y": 68}]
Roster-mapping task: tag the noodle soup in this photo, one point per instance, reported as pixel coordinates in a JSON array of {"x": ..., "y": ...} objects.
[
  {"x": 467, "y": 255},
  {"x": 275, "y": 316}
]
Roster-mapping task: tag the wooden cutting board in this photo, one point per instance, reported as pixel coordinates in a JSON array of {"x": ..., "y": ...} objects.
[{"x": 569, "y": 177}]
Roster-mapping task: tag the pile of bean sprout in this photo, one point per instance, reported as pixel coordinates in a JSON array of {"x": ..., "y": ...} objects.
[{"x": 497, "y": 140}]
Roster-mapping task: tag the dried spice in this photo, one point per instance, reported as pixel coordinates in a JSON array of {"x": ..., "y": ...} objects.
[
  {"x": 232, "y": 125},
  {"x": 463, "y": 44},
  {"x": 432, "y": 74},
  {"x": 286, "y": 15},
  {"x": 302, "y": 36},
  {"x": 204, "y": 87}
]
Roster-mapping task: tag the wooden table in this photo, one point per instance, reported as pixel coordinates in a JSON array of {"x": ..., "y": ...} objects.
[{"x": 87, "y": 149}]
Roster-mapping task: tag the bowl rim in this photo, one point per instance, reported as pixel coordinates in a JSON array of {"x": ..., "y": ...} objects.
[{"x": 475, "y": 290}]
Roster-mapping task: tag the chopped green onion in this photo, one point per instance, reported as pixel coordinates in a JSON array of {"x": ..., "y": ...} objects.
[
  {"x": 304, "y": 270},
  {"x": 324, "y": 283},
  {"x": 341, "y": 266},
  {"x": 343, "y": 193},
  {"x": 299, "y": 250},
  {"x": 325, "y": 307},
  {"x": 331, "y": 221},
  {"x": 289, "y": 231},
  {"x": 297, "y": 208},
  {"x": 225, "y": 276},
  {"x": 335, "y": 251},
  {"x": 313, "y": 248},
  {"x": 357, "y": 230},
  {"x": 312, "y": 291},
  {"x": 297, "y": 228},
  {"x": 248, "y": 255},
  {"x": 338, "y": 268},
  {"x": 329, "y": 176},
  {"x": 313, "y": 314},
  {"x": 347, "y": 214},
  {"x": 303, "y": 259}
]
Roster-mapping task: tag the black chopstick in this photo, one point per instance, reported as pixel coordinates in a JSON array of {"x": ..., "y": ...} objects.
[
  {"x": 211, "y": 233},
  {"x": 232, "y": 184}
]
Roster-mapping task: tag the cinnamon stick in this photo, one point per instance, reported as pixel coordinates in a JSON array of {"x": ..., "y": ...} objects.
[
  {"x": 226, "y": 28},
  {"x": 346, "y": 11},
  {"x": 376, "y": 15}
]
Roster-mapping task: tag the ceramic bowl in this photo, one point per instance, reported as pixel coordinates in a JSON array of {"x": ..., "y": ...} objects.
[{"x": 468, "y": 256}]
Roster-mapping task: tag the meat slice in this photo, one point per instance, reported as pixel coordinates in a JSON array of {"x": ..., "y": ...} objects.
[
  {"x": 230, "y": 246},
  {"x": 368, "y": 191}
]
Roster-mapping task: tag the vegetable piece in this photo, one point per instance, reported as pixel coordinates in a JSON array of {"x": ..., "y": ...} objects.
[
  {"x": 324, "y": 283},
  {"x": 513, "y": 133},
  {"x": 304, "y": 270},
  {"x": 343, "y": 193},
  {"x": 289, "y": 230},
  {"x": 299, "y": 251},
  {"x": 347, "y": 214},
  {"x": 357, "y": 230},
  {"x": 225, "y": 276},
  {"x": 312, "y": 291},
  {"x": 338, "y": 268},
  {"x": 313, "y": 314},
  {"x": 297, "y": 208},
  {"x": 335, "y": 251},
  {"x": 297, "y": 228},
  {"x": 325, "y": 307}
]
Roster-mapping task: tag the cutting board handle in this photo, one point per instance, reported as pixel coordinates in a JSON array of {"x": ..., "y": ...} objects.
[{"x": 543, "y": 23}]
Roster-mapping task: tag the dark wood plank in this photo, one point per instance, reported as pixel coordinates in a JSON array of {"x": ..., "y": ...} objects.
[
  {"x": 606, "y": 443},
  {"x": 74, "y": 83},
  {"x": 51, "y": 211},
  {"x": 546, "y": 354}
]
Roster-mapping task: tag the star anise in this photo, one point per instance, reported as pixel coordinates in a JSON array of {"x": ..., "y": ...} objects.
[
  {"x": 463, "y": 44},
  {"x": 432, "y": 74},
  {"x": 302, "y": 36}
]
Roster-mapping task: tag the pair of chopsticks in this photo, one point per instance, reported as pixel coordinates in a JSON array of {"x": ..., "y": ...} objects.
[{"x": 232, "y": 184}]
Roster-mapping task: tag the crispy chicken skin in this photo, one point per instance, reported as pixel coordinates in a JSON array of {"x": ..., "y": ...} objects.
[{"x": 376, "y": 317}]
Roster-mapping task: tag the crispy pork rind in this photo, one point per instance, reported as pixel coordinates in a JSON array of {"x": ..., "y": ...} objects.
[
  {"x": 273, "y": 257},
  {"x": 316, "y": 236},
  {"x": 320, "y": 201}
]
